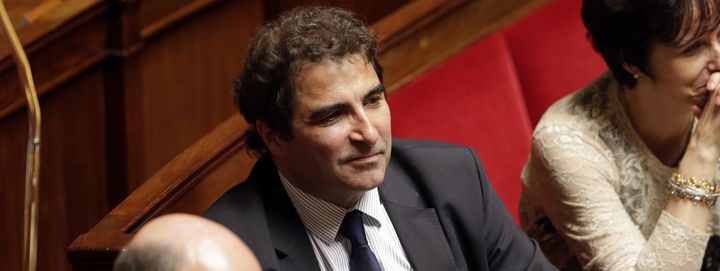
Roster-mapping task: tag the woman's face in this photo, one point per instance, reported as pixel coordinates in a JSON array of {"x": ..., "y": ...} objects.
[{"x": 680, "y": 73}]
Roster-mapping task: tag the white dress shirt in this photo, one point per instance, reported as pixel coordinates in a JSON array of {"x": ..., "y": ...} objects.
[{"x": 322, "y": 221}]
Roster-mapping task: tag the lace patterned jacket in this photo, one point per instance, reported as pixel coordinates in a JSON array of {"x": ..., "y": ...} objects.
[{"x": 592, "y": 189}]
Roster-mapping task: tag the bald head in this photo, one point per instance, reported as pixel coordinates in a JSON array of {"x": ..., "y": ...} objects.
[{"x": 188, "y": 243}]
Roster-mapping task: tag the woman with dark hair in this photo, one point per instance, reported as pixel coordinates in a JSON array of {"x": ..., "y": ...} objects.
[{"x": 622, "y": 174}]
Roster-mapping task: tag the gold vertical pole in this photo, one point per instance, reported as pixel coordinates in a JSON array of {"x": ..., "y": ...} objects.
[{"x": 32, "y": 163}]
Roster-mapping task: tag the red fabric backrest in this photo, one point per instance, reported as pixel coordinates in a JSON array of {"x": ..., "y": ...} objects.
[
  {"x": 552, "y": 55},
  {"x": 490, "y": 95},
  {"x": 473, "y": 99}
]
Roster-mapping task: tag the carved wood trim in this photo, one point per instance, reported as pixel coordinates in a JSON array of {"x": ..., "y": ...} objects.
[
  {"x": 44, "y": 41},
  {"x": 434, "y": 42},
  {"x": 410, "y": 18},
  {"x": 174, "y": 18}
]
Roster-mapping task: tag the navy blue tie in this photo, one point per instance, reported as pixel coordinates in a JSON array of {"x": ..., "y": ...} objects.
[{"x": 361, "y": 257}]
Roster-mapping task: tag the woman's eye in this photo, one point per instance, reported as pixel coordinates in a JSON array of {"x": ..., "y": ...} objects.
[{"x": 692, "y": 49}]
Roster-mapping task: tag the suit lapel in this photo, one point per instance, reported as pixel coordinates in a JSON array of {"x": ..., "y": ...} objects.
[
  {"x": 288, "y": 235},
  {"x": 418, "y": 228}
]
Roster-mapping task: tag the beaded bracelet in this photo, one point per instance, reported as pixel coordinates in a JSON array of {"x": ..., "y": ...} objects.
[{"x": 697, "y": 191}]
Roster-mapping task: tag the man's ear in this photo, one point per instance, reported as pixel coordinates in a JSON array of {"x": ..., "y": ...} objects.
[{"x": 272, "y": 140}]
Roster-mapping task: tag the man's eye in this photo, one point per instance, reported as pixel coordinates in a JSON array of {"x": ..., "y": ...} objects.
[
  {"x": 373, "y": 101},
  {"x": 329, "y": 119}
]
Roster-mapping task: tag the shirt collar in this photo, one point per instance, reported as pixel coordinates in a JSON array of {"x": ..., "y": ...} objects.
[{"x": 322, "y": 218}]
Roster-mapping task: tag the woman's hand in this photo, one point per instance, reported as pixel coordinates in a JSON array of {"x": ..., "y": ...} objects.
[
  {"x": 703, "y": 151},
  {"x": 712, "y": 85}
]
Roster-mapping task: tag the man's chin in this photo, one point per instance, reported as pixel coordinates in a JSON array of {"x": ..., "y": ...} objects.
[{"x": 368, "y": 182}]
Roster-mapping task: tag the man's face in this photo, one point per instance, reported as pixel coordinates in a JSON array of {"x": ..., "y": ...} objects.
[{"x": 341, "y": 131}]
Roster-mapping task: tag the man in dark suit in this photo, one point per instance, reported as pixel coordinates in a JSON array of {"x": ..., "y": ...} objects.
[{"x": 326, "y": 194}]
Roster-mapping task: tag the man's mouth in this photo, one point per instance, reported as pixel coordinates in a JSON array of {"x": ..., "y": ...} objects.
[{"x": 362, "y": 159}]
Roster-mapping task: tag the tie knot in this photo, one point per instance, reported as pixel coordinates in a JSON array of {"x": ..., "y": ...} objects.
[{"x": 352, "y": 228}]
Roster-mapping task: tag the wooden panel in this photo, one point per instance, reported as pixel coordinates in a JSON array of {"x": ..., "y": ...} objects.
[
  {"x": 369, "y": 11},
  {"x": 72, "y": 173},
  {"x": 186, "y": 79},
  {"x": 158, "y": 16},
  {"x": 152, "y": 12},
  {"x": 62, "y": 57},
  {"x": 446, "y": 37},
  {"x": 122, "y": 84},
  {"x": 13, "y": 138},
  {"x": 17, "y": 9},
  {"x": 51, "y": 24},
  {"x": 64, "y": 45},
  {"x": 409, "y": 19}
]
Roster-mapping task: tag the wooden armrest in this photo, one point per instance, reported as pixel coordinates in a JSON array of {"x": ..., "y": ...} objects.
[{"x": 189, "y": 184}]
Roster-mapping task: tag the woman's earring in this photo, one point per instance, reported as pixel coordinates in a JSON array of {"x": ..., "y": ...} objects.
[{"x": 635, "y": 75}]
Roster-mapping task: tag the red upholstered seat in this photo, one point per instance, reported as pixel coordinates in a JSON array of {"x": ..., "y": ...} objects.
[
  {"x": 491, "y": 95},
  {"x": 552, "y": 54},
  {"x": 473, "y": 99}
]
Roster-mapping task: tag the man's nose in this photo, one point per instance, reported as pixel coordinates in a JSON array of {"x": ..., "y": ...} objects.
[{"x": 364, "y": 130}]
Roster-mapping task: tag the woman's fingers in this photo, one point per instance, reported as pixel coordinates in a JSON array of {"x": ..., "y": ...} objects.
[
  {"x": 713, "y": 82},
  {"x": 696, "y": 110},
  {"x": 712, "y": 86},
  {"x": 713, "y": 100}
]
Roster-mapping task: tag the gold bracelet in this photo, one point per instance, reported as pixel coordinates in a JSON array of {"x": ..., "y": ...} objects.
[
  {"x": 702, "y": 185},
  {"x": 697, "y": 191}
]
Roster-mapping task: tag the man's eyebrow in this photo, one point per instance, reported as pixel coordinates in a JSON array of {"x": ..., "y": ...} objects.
[
  {"x": 328, "y": 109},
  {"x": 379, "y": 89}
]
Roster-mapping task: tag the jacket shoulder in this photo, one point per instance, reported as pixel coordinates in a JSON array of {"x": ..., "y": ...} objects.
[{"x": 403, "y": 144}]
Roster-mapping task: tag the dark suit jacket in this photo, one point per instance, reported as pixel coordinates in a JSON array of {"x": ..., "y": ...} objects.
[{"x": 437, "y": 195}]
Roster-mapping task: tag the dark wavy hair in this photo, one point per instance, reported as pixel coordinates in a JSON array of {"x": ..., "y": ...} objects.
[
  {"x": 265, "y": 92},
  {"x": 623, "y": 31}
]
